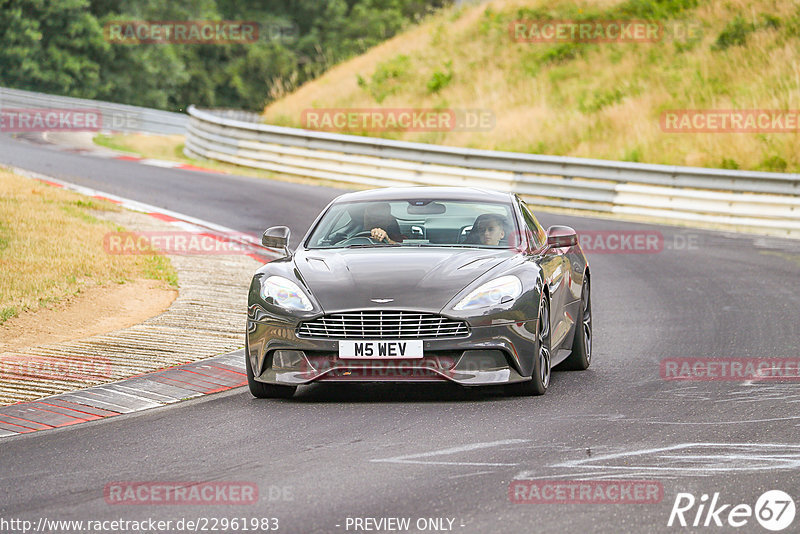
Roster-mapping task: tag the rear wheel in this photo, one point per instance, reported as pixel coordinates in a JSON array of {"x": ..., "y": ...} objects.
[
  {"x": 261, "y": 390},
  {"x": 540, "y": 378},
  {"x": 581, "y": 355}
]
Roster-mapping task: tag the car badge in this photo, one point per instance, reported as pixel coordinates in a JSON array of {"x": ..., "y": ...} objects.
[{"x": 382, "y": 301}]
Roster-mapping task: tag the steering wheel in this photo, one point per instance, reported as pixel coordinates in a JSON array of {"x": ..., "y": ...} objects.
[
  {"x": 367, "y": 234},
  {"x": 360, "y": 235}
]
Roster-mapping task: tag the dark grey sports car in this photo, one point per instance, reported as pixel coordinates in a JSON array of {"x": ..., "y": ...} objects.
[{"x": 420, "y": 284}]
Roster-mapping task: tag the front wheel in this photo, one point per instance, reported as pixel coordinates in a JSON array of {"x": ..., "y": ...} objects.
[
  {"x": 261, "y": 390},
  {"x": 581, "y": 355},
  {"x": 540, "y": 378}
]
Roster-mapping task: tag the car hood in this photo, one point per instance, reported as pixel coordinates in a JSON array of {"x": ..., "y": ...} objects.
[{"x": 415, "y": 278}]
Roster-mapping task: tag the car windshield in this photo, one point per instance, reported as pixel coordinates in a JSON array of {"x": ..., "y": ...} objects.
[{"x": 416, "y": 223}]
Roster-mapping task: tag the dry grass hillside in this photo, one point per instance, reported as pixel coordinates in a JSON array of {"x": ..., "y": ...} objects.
[{"x": 599, "y": 100}]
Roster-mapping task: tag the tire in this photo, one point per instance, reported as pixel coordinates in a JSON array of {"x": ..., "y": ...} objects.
[
  {"x": 540, "y": 377},
  {"x": 581, "y": 356},
  {"x": 261, "y": 390}
]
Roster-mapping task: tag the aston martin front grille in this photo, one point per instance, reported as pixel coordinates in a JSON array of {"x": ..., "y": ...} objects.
[{"x": 383, "y": 325}]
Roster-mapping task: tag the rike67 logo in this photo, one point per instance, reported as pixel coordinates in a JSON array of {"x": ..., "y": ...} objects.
[{"x": 774, "y": 510}]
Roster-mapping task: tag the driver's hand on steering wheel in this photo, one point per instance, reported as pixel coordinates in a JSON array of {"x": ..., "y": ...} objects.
[{"x": 379, "y": 234}]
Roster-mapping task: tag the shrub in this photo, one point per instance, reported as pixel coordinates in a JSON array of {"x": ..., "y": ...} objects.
[
  {"x": 440, "y": 80},
  {"x": 734, "y": 34},
  {"x": 774, "y": 164},
  {"x": 385, "y": 80}
]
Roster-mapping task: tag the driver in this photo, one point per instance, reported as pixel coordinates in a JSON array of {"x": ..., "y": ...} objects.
[{"x": 381, "y": 224}]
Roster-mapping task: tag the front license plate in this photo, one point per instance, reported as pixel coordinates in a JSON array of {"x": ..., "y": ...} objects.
[{"x": 380, "y": 349}]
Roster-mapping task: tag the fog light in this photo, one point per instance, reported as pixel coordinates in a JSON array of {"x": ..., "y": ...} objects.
[{"x": 289, "y": 359}]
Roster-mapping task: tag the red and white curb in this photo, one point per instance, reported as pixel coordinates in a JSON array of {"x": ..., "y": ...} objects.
[
  {"x": 166, "y": 164},
  {"x": 134, "y": 394},
  {"x": 186, "y": 223},
  {"x": 62, "y": 144}
]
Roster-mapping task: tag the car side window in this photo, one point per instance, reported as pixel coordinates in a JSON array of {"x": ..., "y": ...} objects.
[{"x": 539, "y": 235}]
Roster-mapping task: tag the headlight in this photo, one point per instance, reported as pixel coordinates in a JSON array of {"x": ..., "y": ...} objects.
[
  {"x": 284, "y": 293},
  {"x": 498, "y": 291}
]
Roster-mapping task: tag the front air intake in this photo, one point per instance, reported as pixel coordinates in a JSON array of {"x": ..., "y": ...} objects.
[{"x": 382, "y": 325}]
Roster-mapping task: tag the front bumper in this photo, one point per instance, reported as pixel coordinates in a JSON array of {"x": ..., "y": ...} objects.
[{"x": 490, "y": 355}]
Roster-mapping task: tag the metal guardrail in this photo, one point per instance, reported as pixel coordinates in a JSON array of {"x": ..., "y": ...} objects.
[
  {"x": 770, "y": 201},
  {"x": 116, "y": 117}
]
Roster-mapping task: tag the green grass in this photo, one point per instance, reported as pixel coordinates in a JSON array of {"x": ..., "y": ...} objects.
[
  {"x": 158, "y": 267},
  {"x": 7, "y": 313},
  {"x": 110, "y": 142},
  {"x": 77, "y": 212}
]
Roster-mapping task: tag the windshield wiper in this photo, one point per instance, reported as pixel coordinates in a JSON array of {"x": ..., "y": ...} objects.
[
  {"x": 369, "y": 245},
  {"x": 446, "y": 245}
]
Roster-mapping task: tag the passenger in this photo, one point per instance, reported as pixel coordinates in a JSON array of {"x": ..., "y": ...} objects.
[{"x": 488, "y": 229}]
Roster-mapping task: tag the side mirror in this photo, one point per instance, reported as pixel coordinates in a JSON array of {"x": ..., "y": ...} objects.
[
  {"x": 561, "y": 237},
  {"x": 276, "y": 237}
]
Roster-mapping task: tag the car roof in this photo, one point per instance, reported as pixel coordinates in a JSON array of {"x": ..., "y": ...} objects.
[{"x": 427, "y": 193}]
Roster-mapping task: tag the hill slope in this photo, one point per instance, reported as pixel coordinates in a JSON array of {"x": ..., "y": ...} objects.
[{"x": 601, "y": 100}]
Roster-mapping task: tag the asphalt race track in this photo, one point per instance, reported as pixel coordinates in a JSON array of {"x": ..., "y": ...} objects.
[{"x": 430, "y": 451}]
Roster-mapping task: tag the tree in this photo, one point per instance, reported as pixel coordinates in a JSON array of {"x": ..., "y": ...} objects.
[
  {"x": 52, "y": 47},
  {"x": 59, "y": 47}
]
